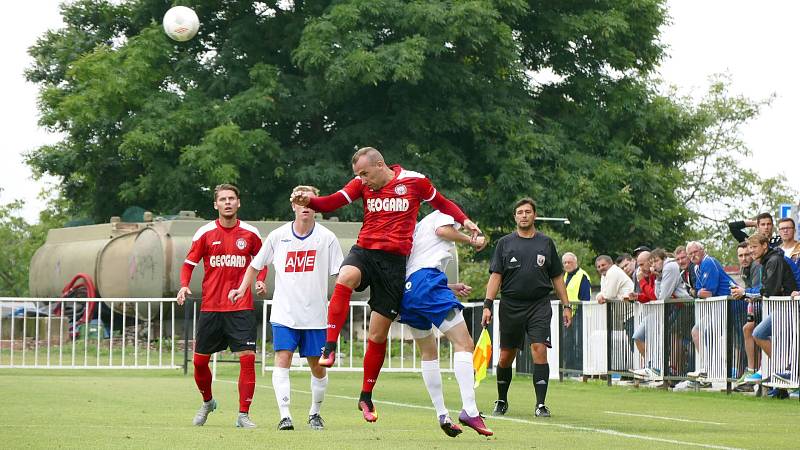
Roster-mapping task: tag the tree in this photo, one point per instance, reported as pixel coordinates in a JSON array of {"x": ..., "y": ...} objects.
[
  {"x": 719, "y": 187},
  {"x": 273, "y": 94},
  {"x": 27, "y": 238}
]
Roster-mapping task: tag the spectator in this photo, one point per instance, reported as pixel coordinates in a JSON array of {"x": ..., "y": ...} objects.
[
  {"x": 647, "y": 293},
  {"x": 787, "y": 231},
  {"x": 777, "y": 279},
  {"x": 614, "y": 282},
  {"x": 688, "y": 274},
  {"x": 626, "y": 262},
  {"x": 712, "y": 281},
  {"x": 579, "y": 289},
  {"x": 750, "y": 272},
  {"x": 763, "y": 223},
  {"x": 579, "y": 285},
  {"x": 668, "y": 282}
]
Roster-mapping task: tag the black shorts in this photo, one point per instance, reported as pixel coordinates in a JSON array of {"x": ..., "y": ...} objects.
[
  {"x": 385, "y": 275},
  {"x": 217, "y": 330},
  {"x": 524, "y": 318}
]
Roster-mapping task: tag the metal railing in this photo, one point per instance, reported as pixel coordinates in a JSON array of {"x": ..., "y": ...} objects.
[{"x": 119, "y": 333}]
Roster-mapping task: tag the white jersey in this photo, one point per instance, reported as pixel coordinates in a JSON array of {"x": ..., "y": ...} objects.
[
  {"x": 429, "y": 250},
  {"x": 302, "y": 267}
]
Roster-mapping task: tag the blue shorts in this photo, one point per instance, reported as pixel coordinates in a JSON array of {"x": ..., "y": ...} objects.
[
  {"x": 310, "y": 342},
  {"x": 764, "y": 329},
  {"x": 427, "y": 300}
]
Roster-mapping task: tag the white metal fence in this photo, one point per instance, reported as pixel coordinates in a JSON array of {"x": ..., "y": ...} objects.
[
  {"x": 80, "y": 333},
  {"x": 140, "y": 333}
]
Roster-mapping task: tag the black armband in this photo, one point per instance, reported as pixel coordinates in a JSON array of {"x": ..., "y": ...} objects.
[{"x": 488, "y": 303}]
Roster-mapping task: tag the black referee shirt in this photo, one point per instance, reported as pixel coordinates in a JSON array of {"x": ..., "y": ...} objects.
[{"x": 527, "y": 266}]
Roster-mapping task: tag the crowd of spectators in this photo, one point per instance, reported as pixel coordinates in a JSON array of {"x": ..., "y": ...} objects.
[{"x": 769, "y": 266}]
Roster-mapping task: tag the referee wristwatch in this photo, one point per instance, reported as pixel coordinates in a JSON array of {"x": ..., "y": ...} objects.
[{"x": 488, "y": 303}]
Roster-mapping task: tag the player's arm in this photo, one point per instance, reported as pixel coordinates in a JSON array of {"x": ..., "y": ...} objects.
[
  {"x": 348, "y": 194},
  {"x": 247, "y": 280},
  {"x": 196, "y": 253},
  {"x": 449, "y": 233},
  {"x": 446, "y": 206},
  {"x": 492, "y": 287}
]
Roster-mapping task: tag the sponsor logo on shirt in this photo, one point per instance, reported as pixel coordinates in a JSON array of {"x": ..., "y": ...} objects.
[
  {"x": 300, "y": 261},
  {"x": 227, "y": 261},
  {"x": 387, "y": 204},
  {"x": 241, "y": 243},
  {"x": 513, "y": 259},
  {"x": 216, "y": 243}
]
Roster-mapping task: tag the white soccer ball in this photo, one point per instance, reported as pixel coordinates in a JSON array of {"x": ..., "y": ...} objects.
[{"x": 181, "y": 23}]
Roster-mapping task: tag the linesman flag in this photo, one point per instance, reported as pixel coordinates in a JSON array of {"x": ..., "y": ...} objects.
[{"x": 482, "y": 356}]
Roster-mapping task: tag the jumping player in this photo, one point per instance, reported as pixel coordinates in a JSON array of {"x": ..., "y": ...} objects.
[
  {"x": 391, "y": 199},
  {"x": 429, "y": 301},
  {"x": 226, "y": 247},
  {"x": 304, "y": 254}
]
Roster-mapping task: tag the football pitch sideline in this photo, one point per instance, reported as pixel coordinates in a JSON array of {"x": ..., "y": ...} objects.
[{"x": 138, "y": 409}]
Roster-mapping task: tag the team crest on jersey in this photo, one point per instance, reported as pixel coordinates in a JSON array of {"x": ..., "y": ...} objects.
[
  {"x": 540, "y": 260},
  {"x": 241, "y": 243},
  {"x": 400, "y": 189}
]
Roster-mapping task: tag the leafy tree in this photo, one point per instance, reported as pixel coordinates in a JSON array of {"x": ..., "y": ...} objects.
[
  {"x": 719, "y": 187},
  {"x": 273, "y": 94},
  {"x": 15, "y": 259}
]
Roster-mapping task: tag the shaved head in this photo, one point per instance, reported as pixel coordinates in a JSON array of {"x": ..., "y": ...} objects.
[{"x": 372, "y": 154}]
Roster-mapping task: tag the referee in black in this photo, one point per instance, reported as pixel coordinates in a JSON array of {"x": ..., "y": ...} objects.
[{"x": 525, "y": 267}]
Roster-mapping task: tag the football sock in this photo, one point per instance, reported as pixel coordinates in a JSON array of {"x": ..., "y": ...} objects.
[
  {"x": 433, "y": 381},
  {"x": 503, "y": 382},
  {"x": 202, "y": 375},
  {"x": 247, "y": 381},
  {"x": 541, "y": 372},
  {"x": 465, "y": 376},
  {"x": 337, "y": 311},
  {"x": 373, "y": 361},
  {"x": 318, "y": 386},
  {"x": 282, "y": 387}
]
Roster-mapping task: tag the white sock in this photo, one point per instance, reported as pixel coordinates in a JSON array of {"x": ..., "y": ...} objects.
[
  {"x": 433, "y": 381},
  {"x": 318, "y": 386},
  {"x": 282, "y": 387},
  {"x": 462, "y": 365}
]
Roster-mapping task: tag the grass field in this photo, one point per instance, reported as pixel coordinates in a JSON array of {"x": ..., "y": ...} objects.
[{"x": 154, "y": 409}]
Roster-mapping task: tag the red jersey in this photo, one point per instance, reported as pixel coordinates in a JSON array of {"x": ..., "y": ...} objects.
[
  {"x": 390, "y": 213},
  {"x": 226, "y": 254}
]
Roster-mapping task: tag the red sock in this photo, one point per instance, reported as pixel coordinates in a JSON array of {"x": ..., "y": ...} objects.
[
  {"x": 337, "y": 310},
  {"x": 247, "y": 381},
  {"x": 373, "y": 361},
  {"x": 202, "y": 375}
]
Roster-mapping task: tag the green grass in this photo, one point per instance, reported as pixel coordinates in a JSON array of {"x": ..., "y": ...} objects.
[{"x": 154, "y": 409}]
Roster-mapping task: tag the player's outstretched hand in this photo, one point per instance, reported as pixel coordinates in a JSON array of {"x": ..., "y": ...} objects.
[
  {"x": 460, "y": 289},
  {"x": 487, "y": 317},
  {"x": 300, "y": 198},
  {"x": 473, "y": 229},
  {"x": 235, "y": 294},
  {"x": 261, "y": 288},
  {"x": 182, "y": 295}
]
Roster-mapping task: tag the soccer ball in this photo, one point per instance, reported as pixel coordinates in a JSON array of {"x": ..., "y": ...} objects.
[{"x": 181, "y": 23}]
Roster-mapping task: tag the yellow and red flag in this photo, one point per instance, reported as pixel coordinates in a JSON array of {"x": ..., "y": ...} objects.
[{"x": 482, "y": 356}]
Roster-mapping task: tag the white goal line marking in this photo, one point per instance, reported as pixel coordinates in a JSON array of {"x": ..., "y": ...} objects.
[
  {"x": 676, "y": 419},
  {"x": 528, "y": 422}
]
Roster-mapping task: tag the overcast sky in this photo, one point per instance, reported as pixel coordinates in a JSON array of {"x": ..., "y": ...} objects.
[{"x": 753, "y": 42}]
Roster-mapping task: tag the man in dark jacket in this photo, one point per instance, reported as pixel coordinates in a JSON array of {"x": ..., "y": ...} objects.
[
  {"x": 764, "y": 223},
  {"x": 777, "y": 279}
]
